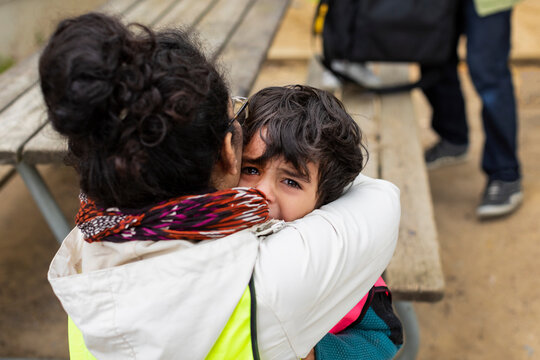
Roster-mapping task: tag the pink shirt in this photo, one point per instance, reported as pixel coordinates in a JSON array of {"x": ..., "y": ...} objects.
[{"x": 355, "y": 312}]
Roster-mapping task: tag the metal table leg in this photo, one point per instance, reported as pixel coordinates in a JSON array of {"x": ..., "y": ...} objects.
[
  {"x": 45, "y": 201},
  {"x": 405, "y": 311}
]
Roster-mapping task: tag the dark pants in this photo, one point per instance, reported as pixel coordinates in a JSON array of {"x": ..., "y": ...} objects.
[{"x": 488, "y": 48}]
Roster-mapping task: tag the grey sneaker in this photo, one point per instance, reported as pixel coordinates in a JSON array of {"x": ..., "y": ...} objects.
[
  {"x": 445, "y": 153},
  {"x": 500, "y": 198}
]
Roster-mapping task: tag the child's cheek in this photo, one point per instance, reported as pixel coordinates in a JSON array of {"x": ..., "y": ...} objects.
[{"x": 244, "y": 181}]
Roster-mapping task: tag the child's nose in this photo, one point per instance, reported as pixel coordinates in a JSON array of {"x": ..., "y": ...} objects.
[
  {"x": 268, "y": 190},
  {"x": 267, "y": 187}
]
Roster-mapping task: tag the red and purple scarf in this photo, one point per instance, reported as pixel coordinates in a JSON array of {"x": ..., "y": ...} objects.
[{"x": 193, "y": 217}]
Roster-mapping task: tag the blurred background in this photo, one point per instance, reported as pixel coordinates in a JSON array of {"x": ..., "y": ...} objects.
[{"x": 491, "y": 309}]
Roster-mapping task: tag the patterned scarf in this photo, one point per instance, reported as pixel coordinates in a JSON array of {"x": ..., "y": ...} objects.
[{"x": 193, "y": 217}]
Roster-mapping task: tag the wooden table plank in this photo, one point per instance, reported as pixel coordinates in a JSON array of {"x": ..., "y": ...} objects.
[
  {"x": 415, "y": 272},
  {"x": 361, "y": 106},
  {"x": 24, "y": 114},
  {"x": 19, "y": 122},
  {"x": 117, "y": 6},
  {"x": 17, "y": 80},
  {"x": 216, "y": 26},
  {"x": 148, "y": 12},
  {"x": 48, "y": 146},
  {"x": 186, "y": 13},
  {"x": 247, "y": 48}
]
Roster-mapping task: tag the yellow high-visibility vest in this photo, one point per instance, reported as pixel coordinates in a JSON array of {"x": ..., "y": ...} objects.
[{"x": 238, "y": 340}]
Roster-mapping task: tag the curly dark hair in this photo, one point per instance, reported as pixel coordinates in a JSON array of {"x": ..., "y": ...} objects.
[
  {"x": 145, "y": 113},
  {"x": 304, "y": 124}
]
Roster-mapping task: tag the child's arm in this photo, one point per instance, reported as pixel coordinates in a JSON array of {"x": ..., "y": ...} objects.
[{"x": 312, "y": 272}]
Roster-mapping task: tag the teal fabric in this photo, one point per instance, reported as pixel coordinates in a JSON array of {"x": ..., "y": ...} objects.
[
  {"x": 488, "y": 7},
  {"x": 367, "y": 339}
]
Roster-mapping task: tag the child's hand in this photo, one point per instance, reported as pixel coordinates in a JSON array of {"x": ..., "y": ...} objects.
[{"x": 311, "y": 355}]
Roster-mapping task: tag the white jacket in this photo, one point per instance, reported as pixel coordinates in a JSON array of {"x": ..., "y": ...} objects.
[{"x": 171, "y": 299}]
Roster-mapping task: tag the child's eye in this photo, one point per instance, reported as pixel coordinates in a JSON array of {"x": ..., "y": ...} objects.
[
  {"x": 292, "y": 183},
  {"x": 250, "y": 170}
]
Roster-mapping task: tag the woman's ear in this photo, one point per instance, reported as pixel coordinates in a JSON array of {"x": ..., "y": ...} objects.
[
  {"x": 226, "y": 172},
  {"x": 229, "y": 158}
]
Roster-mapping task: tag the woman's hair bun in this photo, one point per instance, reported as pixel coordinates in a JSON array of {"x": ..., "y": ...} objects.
[
  {"x": 77, "y": 71},
  {"x": 144, "y": 112}
]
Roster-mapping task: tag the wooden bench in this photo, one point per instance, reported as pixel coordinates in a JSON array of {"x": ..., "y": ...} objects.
[
  {"x": 236, "y": 32},
  {"x": 395, "y": 154}
]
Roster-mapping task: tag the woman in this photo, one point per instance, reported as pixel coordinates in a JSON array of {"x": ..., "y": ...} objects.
[{"x": 164, "y": 252}]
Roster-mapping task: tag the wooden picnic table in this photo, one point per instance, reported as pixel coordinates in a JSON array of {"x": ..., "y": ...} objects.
[{"x": 237, "y": 33}]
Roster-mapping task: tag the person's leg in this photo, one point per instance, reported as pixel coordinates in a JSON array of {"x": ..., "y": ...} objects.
[
  {"x": 488, "y": 47},
  {"x": 448, "y": 118},
  {"x": 443, "y": 91},
  {"x": 444, "y": 94}
]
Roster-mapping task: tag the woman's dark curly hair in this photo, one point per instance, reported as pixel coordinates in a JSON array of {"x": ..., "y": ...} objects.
[
  {"x": 145, "y": 113},
  {"x": 303, "y": 124}
]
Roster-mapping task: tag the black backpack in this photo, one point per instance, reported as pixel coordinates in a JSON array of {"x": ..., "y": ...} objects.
[{"x": 422, "y": 31}]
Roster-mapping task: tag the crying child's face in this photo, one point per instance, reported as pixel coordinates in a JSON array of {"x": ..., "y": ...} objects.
[{"x": 290, "y": 194}]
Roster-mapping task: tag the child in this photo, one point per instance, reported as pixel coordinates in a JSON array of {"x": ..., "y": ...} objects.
[{"x": 302, "y": 149}]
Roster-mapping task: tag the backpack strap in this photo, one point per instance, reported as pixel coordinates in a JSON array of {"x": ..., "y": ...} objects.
[
  {"x": 318, "y": 19},
  {"x": 253, "y": 320}
]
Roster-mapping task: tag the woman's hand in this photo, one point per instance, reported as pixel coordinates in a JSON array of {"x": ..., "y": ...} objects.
[{"x": 311, "y": 355}]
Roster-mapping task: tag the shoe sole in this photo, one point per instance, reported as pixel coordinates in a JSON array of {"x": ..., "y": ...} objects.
[
  {"x": 491, "y": 211},
  {"x": 446, "y": 161}
]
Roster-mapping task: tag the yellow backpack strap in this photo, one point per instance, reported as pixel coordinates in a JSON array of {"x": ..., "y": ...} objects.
[
  {"x": 238, "y": 340},
  {"x": 318, "y": 19},
  {"x": 253, "y": 320},
  {"x": 77, "y": 348}
]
